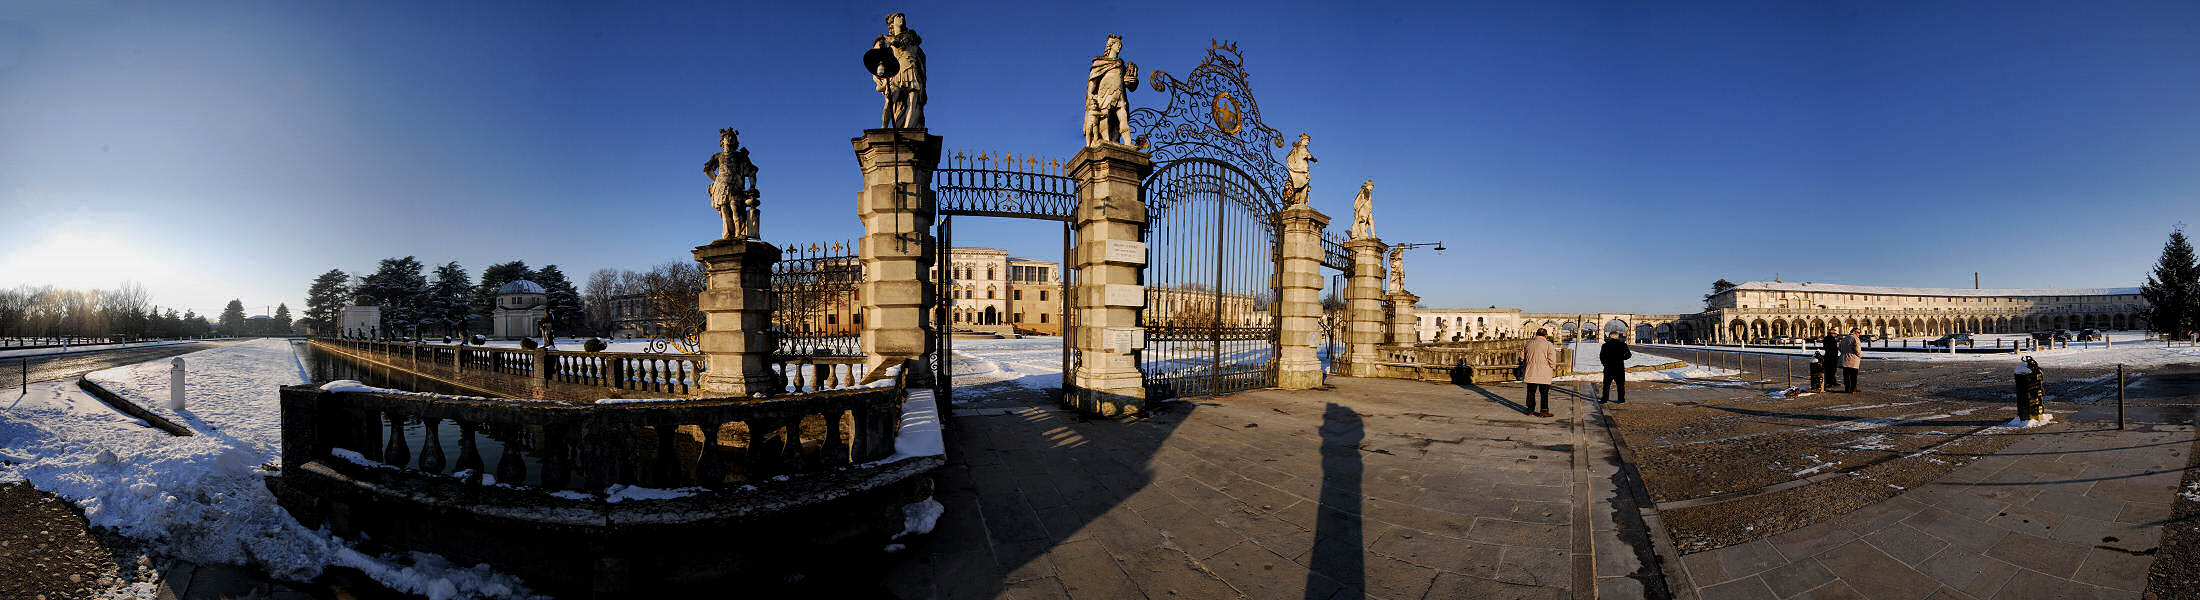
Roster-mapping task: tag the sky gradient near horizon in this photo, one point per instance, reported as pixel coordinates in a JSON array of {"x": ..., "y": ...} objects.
[{"x": 1573, "y": 156}]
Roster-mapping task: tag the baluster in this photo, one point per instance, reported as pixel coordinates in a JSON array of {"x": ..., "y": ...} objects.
[
  {"x": 665, "y": 472},
  {"x": 709, "y": 472},
  {"x": 431, "y": 448},
  {"x": 761, "y": 460},
  {"x": 511, "y": 465},
  {"x": 396, "y": 453},
  {"x": 790, "y": 454},
  {"x": 469, "y": 454},
  {"x": 557, "y": 468},
  {"x": 835, "y": 450}
]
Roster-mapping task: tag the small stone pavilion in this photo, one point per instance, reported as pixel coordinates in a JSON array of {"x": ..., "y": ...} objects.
[{"x": 520, "y": 308}]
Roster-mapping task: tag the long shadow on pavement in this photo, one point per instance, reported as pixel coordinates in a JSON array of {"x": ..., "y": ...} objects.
[{"x": 1337, "y": 528}]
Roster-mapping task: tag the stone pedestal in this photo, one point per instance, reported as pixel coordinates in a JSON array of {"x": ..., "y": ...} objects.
[
  {"x": 737, "y": 315},
  {"x": 1109, "y": 258},
  {"x": 1299, "y": 310},
  {"x": 1405, "y": 328},
  {"x": 896, "y": 248},
  {"x": 1363, "y": 306}
]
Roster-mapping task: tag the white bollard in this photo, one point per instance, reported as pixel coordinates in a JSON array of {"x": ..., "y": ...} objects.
[{"x": 175, "y": 384}]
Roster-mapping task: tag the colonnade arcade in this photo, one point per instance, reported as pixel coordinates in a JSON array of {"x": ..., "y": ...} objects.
[{"x": 1753, "y": 327}]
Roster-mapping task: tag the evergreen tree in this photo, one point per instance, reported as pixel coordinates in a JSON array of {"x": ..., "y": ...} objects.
[
  {"x": 2173, "y": 291},
  {"x": 232, "y": 319},
  {"x": 398, "y": 286},
  {"x": 1717, "y": 287},
  {"x": 326, "y": 300},
  {"x": 450, "y": 302},
  {"x": 282, "y": 319},
  {"x": 561, "y": 300},
  {"x": 485, "y": 295},
  {"x": 195, "y": 325}
]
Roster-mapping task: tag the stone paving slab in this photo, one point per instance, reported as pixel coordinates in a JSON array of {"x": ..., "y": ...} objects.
[{"x": 1373, "y": 489}]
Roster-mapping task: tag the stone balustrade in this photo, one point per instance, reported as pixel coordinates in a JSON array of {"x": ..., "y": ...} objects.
[
  {"x": 615, "y": 496},
  {"x": 1484, "y": 361},
  {"x": 677, "y": 374}
]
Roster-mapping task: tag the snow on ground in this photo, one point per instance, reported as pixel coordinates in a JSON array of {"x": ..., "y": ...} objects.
[
  {"x": 2123, "y": 347},
  {"x": 1586, "y": 361},
  {"x": 1676, "y": 373},
  {"x": 1033, "y": 362},
  {"x": 23, "y": 352},
  {"x": 202, "y": 497}
]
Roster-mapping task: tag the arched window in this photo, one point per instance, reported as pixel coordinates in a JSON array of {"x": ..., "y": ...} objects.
[{"x": 989, "y": 272}]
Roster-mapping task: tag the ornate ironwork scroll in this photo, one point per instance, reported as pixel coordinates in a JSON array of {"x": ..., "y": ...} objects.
[
  {"x": 814, "y": 301},
  {"x": 1334, "y": 255},
  {"x": 1211, "y": 114},
  {"x": 1005, "y": 185}
]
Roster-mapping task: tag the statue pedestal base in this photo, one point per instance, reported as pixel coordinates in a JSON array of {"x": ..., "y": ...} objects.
[
  {"x": 1107, "y": 382},
  {"x": 736, "y": 304},
  {"x": 1299, "y": 311}
]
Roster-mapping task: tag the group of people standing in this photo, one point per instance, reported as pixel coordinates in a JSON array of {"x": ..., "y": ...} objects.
[
  {"x": 1539, "y": 362},
  {"x": 1845, "y": 351}
]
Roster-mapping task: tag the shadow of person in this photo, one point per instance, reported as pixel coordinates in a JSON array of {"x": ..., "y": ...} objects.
[
  {"x": 1493, "y": 397},
  {"x": 1338, "y": 553}
]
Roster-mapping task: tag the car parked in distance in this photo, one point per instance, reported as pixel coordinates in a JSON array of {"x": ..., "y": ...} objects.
[{"x": 1946, "y": 340}]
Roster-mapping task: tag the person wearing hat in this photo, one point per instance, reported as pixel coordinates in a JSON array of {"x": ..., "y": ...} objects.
[
  {"x": 1539, "y": 362},
  {"x": 1614, "y": 355}
]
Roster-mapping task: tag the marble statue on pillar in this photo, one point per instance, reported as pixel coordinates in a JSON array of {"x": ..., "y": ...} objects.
[
  {"x": 1397, "y": 269},
  {"x": 1107, "y": 112},
  {"x": 896, "y": 61},
  {"x": 1363, "y": 211},
  {"x": 733, "y": 187},
  {"x": 1298, "y": 163}
]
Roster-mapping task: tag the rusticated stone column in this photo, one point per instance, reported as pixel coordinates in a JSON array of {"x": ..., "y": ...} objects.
[
  {"x": 1299, "y": 311},
  {"x": 1405, "y": 328},
  {"x": 737, "y": 315},
  {"x": 897, "y": 243},
  {"x": 1363, "y": 306},
  {"x": 1110, "y": 221}
]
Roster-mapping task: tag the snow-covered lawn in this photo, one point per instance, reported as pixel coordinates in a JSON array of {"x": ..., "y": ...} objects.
[
  {"x": 203, "y": 497},
  {"x": 23, "y": 352}
]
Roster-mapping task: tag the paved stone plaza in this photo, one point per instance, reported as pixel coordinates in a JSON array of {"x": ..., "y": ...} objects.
[{"x": 1377, "y": 488}]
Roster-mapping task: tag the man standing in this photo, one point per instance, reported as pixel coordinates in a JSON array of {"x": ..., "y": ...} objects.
[
  {"x": 1538, "y": 362},
  {"x": 1852, "y": 358},
  {"x": 1829, "y": 359},
  {"x": 1614, "y": 356}
]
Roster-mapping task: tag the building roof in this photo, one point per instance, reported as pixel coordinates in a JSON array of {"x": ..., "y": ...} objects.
[
  {"x": 1840, "y": 288},
  {"x": 521, "y": 286}
]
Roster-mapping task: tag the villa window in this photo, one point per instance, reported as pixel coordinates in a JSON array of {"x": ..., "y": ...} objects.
[
  {"x": 1042, "y": 295},
  {"x": 1019, "y": 294}
]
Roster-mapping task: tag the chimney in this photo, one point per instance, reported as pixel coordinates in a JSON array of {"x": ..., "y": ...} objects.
[{"x": 1974, "y": 280}]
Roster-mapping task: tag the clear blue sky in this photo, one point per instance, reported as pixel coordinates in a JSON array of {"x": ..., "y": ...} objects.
[{"x": 1607, "y": 156}]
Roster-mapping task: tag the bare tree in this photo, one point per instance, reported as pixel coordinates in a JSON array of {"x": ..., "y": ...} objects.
[{"x": 672, "y": 291}]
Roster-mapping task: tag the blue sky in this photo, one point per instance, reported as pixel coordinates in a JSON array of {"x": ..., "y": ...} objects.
[{"x": 1602, "y": 156}]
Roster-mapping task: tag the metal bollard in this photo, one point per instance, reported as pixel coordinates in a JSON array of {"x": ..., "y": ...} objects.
[
  {"x": 2119, "y": 396},
  {"x": 2029, "y": 391},
  {"x": 175, "y": 384}
]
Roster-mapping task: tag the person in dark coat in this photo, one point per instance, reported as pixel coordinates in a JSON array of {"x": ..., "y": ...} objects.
[
  {"x": 1614, "y": 356},
  {"x": 1829, "y": 358}
]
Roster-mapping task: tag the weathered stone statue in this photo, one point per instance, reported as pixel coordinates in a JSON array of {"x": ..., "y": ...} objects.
[
  {"x": 1397, "y": 269},
  {"x": 733, "y": 187},
  {"x": 1297, "y": 162},
  {"x": 1107, "y": 112},
  {"x": 1363, "y": 211},
  {"x": 901, "y": 80}
]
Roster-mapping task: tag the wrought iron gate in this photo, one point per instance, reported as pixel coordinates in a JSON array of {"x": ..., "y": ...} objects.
[
  {"x": 1210, "y": 319},
  {"x": 985, "y": 185}
]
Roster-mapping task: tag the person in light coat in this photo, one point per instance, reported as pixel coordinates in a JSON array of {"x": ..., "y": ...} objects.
[
  {"x": 1539, "y": 362},
  {"x": 1852, "y": 358}
]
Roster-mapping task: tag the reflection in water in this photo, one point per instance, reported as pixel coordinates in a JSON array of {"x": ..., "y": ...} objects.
[{"x": 324, "y": 367}]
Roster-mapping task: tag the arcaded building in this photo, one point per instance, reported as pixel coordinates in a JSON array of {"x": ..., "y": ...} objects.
[{"x": 1761, "y": 309}]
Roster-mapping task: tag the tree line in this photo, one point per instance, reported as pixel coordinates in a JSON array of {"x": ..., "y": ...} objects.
[
  {"x": 127, "y": 311},
  {"x": 448, "y": 301}
]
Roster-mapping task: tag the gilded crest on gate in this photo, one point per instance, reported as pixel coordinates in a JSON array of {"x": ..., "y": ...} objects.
[{"x": 1226, "y": 114}]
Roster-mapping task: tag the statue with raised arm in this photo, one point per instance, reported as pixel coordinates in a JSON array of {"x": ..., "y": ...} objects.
[
  {"x": 1107, "y": 112},
  {"x": 1363, "y": 211},
  {"x": 1298, "y": 163},
  {"x": 1397, "y": 269},
  {"x": 733, "y": 187},
  {"x": 896, "y": 61}
]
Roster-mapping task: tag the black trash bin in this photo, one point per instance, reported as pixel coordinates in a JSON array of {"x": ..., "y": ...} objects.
[
  {"x": 1817, "y": 376},
  {"x": 2029, "y": 394}
]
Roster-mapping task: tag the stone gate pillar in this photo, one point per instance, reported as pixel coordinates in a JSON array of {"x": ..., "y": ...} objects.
[
  {"x": 736, "y": 304},
  {"x": 896, "y": 248},
  {"x": 1363, "y": 306},
  {"x": 1299, "y": 310},
  {"x": 1405, "y": 327},
  {"x": 1109, "y": 258}
]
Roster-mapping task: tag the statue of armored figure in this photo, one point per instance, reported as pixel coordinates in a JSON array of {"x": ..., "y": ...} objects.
[
  {"x": 1397, "y": 269},
  {"x": 733, "y": 187},
  {"x": 1363, "y": 211},
  {"x": 1299, "y": 162},
  {"x": 1107, "y": 111},
  {"x": 896, "y": 61}
]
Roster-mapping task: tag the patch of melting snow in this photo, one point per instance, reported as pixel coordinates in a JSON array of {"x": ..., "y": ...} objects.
[
  {"x": 1876, "y": 441},
  {"x": 2191, "y": 493},
  {"x": 1814, "y": 469},
  {"x": 2023, "y": 424},
  {"x": 1870, "y": 406}
]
